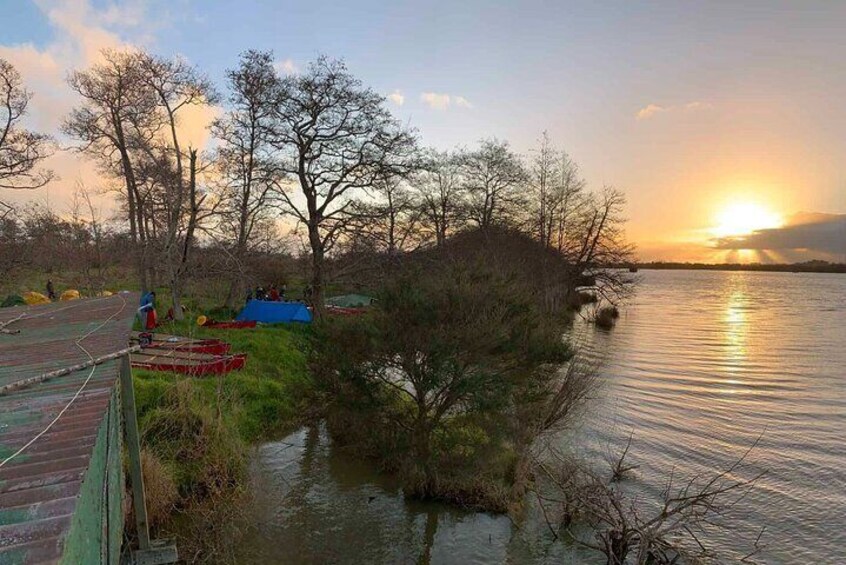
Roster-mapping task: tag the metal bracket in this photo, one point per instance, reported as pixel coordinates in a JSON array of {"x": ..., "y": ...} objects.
[{"x": 161, "y": 552}]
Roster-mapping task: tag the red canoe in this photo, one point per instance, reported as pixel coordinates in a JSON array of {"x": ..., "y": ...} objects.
[
  {"x": 180, "y": 343},
  {"x": 187, "y": 362}
]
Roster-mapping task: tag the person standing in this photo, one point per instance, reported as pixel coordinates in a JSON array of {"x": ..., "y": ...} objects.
[
  {"x": 147, "y": 311},
  {"x": 51, "y": 292},
  {"x": 274, "y": 294}
]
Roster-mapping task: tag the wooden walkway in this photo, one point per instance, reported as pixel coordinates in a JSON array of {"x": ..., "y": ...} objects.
[{"x": 61, "y": 477}]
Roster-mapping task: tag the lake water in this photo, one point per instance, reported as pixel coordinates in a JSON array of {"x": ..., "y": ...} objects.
[{"x": 700, "y": 365}]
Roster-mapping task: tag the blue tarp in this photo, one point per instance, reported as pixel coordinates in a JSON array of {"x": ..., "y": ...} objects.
[{"x": 274, "y": 312}]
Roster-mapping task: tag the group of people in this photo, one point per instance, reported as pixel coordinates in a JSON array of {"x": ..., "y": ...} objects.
[{"x": 273, "y": 294}]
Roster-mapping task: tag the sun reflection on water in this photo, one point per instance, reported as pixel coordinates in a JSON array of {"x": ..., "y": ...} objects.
[{"x": 735, "y": 326}]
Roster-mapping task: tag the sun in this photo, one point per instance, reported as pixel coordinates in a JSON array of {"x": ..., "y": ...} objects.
[{"x": 744, "y": 218}]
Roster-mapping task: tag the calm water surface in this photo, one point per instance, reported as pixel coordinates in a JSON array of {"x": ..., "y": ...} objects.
[{"x": 699, "y": 366}]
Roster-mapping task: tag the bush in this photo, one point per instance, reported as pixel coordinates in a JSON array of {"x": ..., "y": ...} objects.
[
  {"x": 577, "y": 299},
  {"x": 606, "y": 317},
  {"x": 426, "y": 381}
]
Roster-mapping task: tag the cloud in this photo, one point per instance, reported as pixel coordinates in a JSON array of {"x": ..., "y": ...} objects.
[
  {"x": 397, "y": 98},
  {"x": 286, "y": 67},
  {"x": 80, "y": 33},
  {"x": 435, "y": 100},
  {"x": 442, "y": 101},
  {"x": 823, "y": 234},
  {"x": 648, "y": 111},
  {"x": 697, "y": 105},
  {"x": 652, "y": 110}
]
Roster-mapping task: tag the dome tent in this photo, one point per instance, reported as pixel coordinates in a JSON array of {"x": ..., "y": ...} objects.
[{"x": 268, "y": 312}]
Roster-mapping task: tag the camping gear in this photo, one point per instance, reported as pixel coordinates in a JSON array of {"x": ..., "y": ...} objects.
[
  {"x": 274, "y": 312},
  {"x": 350, "y": 301},
  {"x": 69, "y": 295},
  {"x": 187, "y": 362},
  {"x": 13, "y": 300},
  {"x": 179, "y": 343},
  {"x": 33, "y": 297}
]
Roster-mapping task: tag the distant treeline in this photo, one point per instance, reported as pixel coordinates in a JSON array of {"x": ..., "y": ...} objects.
[{"x": 804, "y": 267}]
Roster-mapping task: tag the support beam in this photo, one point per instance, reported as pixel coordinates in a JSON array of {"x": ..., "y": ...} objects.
[
  {"x": 133, "y": 445},
  {"x": 148, "y": 553}
]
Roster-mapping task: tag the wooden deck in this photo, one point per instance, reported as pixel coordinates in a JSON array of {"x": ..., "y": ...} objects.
[{"x": 61, "y": 477}]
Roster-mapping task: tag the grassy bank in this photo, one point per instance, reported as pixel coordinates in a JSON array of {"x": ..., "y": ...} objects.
[{"x": 196, "y": 432}]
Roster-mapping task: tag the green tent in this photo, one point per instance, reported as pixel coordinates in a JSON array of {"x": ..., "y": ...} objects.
[
  {"x": 350, "y": 301},
  {"x": 13, "y": 300}
]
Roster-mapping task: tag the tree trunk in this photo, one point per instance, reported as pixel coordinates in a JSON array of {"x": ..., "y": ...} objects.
[{"x": 317, "y": 282}]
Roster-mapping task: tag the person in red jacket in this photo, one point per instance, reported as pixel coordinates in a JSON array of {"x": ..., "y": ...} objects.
[{"x": 273, "y": 295}]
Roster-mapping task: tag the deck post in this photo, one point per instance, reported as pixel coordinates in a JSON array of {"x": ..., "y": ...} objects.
[
  {"x": 157, "y": 552},
  {"x": 133, "y": 445}
]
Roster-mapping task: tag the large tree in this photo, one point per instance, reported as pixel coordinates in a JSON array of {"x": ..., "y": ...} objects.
[
  {"x": 441, "y": 193},
  {"x": 555, "y": 194},
  {"x": 493, "y": 177},
  {"x": 129, "y": 122},
  {"x": 249, "y": 172},
  {"x": 337, "y": 139},
  {"x": 116, "y": 117},
  {"x": 175, "y": 85},
  {"x": 21, "y": 151}
]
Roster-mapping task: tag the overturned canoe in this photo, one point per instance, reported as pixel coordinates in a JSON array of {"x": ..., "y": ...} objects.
[
  {"x": 232, "y": 325},
  {"x": 166, "y": 341},
  {"x": 187, "y": 362}
]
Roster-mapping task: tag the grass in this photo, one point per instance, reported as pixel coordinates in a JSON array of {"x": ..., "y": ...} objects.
[
  {"x": 199, "y": 429},
  {"x": 267, "y": 396}
]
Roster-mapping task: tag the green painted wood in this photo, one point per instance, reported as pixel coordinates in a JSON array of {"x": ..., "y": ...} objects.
[
  {"x": 133, "y": 446},
  {"x": 96, "y": 529}
]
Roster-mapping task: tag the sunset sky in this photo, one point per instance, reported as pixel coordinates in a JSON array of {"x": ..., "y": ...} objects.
[{"x": 716, "y": 118}]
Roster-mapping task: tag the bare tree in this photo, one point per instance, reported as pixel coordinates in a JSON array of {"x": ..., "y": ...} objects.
[
  {"x": 493, "y": 177},
  {"x": 555, "y": 194},
  {"x": 21, "y": 151},
  {"x": 390, "y": 224},
  {"x": 117, "y": 116},
  {"x": 624, "y": 525},
  {"x": 597, "y": 243},
  {"x": 249, "y": 171},
  {"x": 441, "y": 192},
  {"x": 129, "y": 122},
  {"x": 88, "y": 224},
  {"x": 571, "y": 199},
  {"x": 337, "y": 138},
  {"x": 176, "y": 85}
]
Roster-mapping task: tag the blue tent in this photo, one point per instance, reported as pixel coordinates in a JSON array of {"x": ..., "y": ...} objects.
[{"x": 274, "y": 312}]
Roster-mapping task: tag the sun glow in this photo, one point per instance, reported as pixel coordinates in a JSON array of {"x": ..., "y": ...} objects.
[{"x": 744, "y": 218}]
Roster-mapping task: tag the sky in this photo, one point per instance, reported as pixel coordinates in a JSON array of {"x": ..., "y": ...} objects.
[{"x": 723, "y": 122}]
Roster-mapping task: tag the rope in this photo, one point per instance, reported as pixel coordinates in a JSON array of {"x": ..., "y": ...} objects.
[{"x": 78, "y": 343}]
